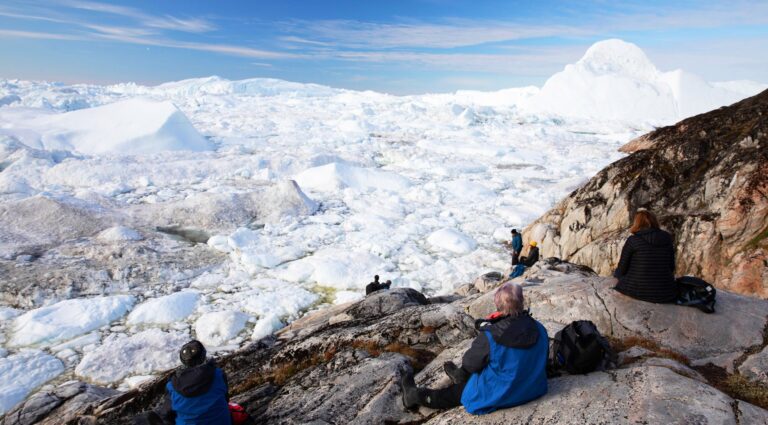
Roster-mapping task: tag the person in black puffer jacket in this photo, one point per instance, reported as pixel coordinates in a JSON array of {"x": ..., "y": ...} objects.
[{"x": 646, "y": 268}]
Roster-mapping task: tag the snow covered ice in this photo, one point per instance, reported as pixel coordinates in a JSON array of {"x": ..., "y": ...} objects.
[{"x": 133, "y": 218}]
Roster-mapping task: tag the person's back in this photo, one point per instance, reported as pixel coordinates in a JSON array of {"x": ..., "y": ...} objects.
[
  {"x": 505, "y": 366},
  {"x": 647, "y": 264},
  {"x": 516, "y": 372},
  {"x": 197, "y": 394}
]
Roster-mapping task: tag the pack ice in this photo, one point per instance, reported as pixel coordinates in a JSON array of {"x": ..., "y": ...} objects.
[{"x": 133, "y": 218}]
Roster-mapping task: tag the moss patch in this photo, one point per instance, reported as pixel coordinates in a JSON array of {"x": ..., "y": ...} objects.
[{"x": 735, "y": 385}]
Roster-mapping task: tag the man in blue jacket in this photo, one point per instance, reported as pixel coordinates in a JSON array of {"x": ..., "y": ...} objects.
[
  {"x": 198, "y": 393},
  {"x": 516, "y": 244},
  {"x": 505, "y": 366}
]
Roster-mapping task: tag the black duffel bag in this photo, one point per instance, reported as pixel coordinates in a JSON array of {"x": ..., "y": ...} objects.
[{"x": 695, "y": 292}]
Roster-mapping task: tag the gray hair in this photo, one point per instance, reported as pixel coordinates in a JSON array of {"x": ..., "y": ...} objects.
[{"x": 509, "y": 299}]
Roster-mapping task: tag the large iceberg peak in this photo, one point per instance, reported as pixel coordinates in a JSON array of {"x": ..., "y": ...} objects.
[{"x": 615, "y": 56}]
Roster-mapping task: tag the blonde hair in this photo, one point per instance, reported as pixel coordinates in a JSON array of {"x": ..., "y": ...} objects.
[{"x": 509, "y": 299}]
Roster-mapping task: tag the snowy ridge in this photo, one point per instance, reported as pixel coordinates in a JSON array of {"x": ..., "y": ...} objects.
[{"x": 234, "y": 207}]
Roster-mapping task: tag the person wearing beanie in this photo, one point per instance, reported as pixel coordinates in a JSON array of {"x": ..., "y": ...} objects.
[
  {"x": 198, "y": 392},
  {"x": 532, "y": 257}
]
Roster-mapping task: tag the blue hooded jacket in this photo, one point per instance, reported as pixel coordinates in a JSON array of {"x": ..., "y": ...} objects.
[
  {"x": 517, "y": 243},
  {"x": 513, "y": 374},
  {"x": 198, "y": 396}
]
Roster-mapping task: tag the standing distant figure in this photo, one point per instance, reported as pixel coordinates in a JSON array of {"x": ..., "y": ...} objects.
[
  {"x": 532, "y": 257},
  {"x": 646, "y": 268},
  {"x": 376, "y": 285},
  {"x": 516, "y": 244}
]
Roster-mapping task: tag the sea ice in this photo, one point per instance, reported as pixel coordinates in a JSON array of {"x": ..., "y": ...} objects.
[
  {"x": 217, "y": 328},
  {"x": 266, "y": 326},
  {"x": 452, "y": 240},
  {"x": 22, "y": 373},
  {"x": 163, "y": 310},
  {"x": 67, "y": 319},
  {"x": 119, "y": 356},
  {"x": 336, "y": 176}
]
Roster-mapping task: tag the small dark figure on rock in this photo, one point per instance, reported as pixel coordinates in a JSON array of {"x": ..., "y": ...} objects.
[
  {"x": 376, "y": 285},
  {"x": 646, "y": 268},
  {"x": 505, "y": 366},
  {"x": 532, "y": 257}
]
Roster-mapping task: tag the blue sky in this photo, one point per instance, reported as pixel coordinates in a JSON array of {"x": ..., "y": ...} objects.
[{"x": 393, "y": 46}]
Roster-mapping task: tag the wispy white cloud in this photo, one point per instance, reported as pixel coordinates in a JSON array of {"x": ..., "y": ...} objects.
[
  {"x": 448, "y": 34},
  {"x": 229, "y": 49},
  {"x": 37, "y": 35},
  {"x": 147, "y": 32},
  {"x": 167, "y": 22}
]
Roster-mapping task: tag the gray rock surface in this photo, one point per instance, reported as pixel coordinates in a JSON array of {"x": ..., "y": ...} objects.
[
  {"x": 384, "y": 302},
  {"x": 755, "y": 367},
  {"x": 60, "y": 405},
  {"x": 736, "y": 326},
  {"x": 637, "y": 395}
]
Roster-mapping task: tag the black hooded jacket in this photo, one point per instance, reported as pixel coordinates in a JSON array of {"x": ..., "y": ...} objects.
[
  {"x": 646, "y": 268},
  {"x": 514, "y": 332}
]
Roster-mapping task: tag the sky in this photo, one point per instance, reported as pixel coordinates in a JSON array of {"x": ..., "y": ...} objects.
[{"x": 393, "y": 46}]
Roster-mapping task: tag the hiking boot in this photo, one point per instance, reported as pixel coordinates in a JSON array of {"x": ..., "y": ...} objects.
[
  {"x": 458, "y": 375},
  {"x": 411, "y": 397}
]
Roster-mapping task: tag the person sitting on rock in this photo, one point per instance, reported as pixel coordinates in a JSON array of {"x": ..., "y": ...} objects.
[
  {"x": 646, "y": 268},
  {"x": 197, "y": 393},
  {"x": 505, "y": 366},
  {"x": 376, "y": 285},
  {"x": 532, "y": 257}
]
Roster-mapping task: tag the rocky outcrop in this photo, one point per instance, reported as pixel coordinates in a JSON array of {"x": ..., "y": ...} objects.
[
  {"x": 60, "y": 405},
  {"x": 556, "y": 298},
  {"x": 635, "y": 395},
  {"x": 343, "y": 364},
  {"x": 706, "y": 178}
]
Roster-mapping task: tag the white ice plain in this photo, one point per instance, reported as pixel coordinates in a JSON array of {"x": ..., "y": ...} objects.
[{"x": 269, "y": 198}]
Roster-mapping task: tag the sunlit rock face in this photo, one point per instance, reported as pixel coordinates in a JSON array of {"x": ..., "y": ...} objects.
[{"x": 706, "y": 179}]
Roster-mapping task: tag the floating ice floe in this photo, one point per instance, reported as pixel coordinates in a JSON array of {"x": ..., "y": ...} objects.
[
  {"x": 166, "y": 309},
  {"x": 22, "y": 373},
  {"x": 67, "y": 319},
  {"x": 452, "y": 240},
  {"x": 217, "y": 328},
  {"x": 119, "y": 356},
  {"x": 336, "y": 268},
  {"x": 336, "y": 176},
  {"x": 266, "y": 326}
]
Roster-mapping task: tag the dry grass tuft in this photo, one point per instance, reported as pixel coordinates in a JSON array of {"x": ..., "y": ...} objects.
[{"x": 624, "y": 344}]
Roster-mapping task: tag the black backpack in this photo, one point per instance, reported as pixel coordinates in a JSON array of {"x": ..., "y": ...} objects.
[
  {"x": 694, "y": 292},
  {"x": 580, "y": 348}
]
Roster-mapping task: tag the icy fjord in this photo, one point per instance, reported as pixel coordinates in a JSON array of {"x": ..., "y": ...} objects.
[{"x": 133, "y": 218}]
